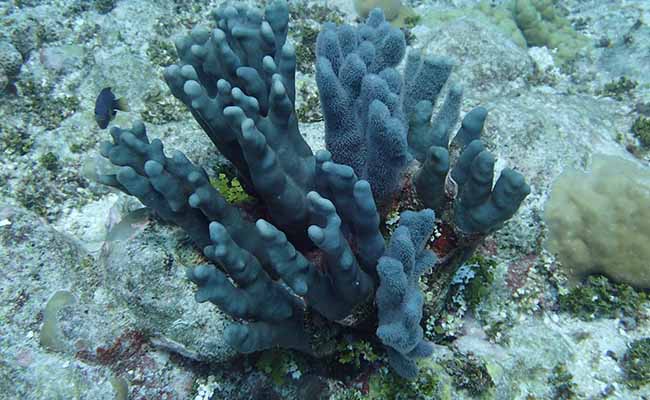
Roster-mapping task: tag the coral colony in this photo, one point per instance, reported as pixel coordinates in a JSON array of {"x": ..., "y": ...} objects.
[{"x": 318, "y": 262}]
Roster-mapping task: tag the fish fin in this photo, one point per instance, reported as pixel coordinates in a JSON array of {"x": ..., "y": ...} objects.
[{"x": 121, "y": 104}]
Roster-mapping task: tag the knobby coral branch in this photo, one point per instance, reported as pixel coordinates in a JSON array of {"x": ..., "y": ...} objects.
[{"x": 321, "y": 257}]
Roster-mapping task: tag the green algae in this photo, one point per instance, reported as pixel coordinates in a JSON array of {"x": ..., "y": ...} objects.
[
  {"x": 121, "y": 388},
  {"x": 309, "y": 109},
  {"x": 641, "y": 129},
  {"x": 529, "y": 23},
  {"x": 470, "y": 374},
  {"x": 356, "y": 352},
  {"x": 50, "y": 335},
  {"x": 598, "y": 297},
  {"x": 619, "y": 89},
  {"x": 15, "y": 141},
  {"x": 636, "y": 364},
  {"x": 561, "y": 381},
  {"x": 49, "y": 161},
  {"x": 230, "y": 188},
  {"x": 431, "y": 383}
]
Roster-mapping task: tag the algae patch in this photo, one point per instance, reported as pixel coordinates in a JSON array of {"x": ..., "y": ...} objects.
[
  {"x": 636, "y": 363},
  {"x": 51, "y": 336},
  {"x": 528, "y": 23},
  {"x": 121, "y": 388}
]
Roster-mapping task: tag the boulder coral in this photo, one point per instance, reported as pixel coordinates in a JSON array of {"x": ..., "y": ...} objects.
[{"x": 599, "y": 221}]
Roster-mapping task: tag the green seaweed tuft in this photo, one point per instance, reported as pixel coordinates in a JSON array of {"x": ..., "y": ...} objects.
[
  {"x": 15, "y": 141},
  {"x": 562, "y": 385},
  {"x": 49, "y": 161},
  {"x": 641, "y": 129},
  {"x": 598, "y": 297},
  {"x": 309, "y": 109},
  {"x": 432, "y": 382},
  {"x": 355, "y": 353},
  {"x": 479, "y": 286},
  {"x": 470, "y": 373},
  {"x": 280, "y": 365},
  {"x": 636, "y": 363},
  {"x": 537, "y": 23},
  {"x": 618, "y": 89},
  {"x": 161, "y": 52},
  {"x": 231, "y": 189}
]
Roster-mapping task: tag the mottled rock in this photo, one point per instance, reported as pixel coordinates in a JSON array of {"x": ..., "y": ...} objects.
[
  {"x": 10, "y": 62},
  {"x": 36, "y": 262},
  {"x": 144, "y": 265},
  {"x": 487, "y": 62}
]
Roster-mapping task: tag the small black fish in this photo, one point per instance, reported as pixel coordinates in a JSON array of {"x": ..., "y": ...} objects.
[{"x": 106, "y": 107}]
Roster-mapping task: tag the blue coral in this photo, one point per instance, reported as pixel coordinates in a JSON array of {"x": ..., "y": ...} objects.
[
  {"x": 238, "y": 82},
  {"x": 399, "y": 299},
  {"x": 360, "y": 91}
]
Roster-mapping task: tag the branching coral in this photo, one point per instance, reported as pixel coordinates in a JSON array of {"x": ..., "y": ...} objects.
[
  {"x": 399, "y": 300},
  {"x": 478, "y": 207},
  {"x": 317, "y": 264},
  {"x": 360, "y": 93}
]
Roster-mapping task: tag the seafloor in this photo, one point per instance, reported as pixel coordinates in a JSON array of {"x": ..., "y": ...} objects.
[{"x": 94, "y": 303}]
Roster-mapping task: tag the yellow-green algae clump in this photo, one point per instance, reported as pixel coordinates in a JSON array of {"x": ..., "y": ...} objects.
[
  {"x": 394, "y": 11},
  {"x": 529, "y": 23},
  {"x": 641, "y": 129},
  {"x": 51, "y": 336},
  {"x": 636, "y": 363},
  {"x": 542, "y": 24}
]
